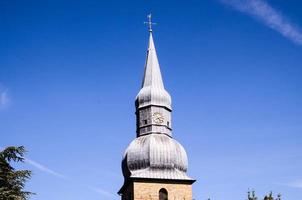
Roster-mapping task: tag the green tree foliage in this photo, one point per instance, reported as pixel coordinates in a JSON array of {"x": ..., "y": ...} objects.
[
  {"x": 12, "y": 181},
  {"x": 252, "y": 196}
]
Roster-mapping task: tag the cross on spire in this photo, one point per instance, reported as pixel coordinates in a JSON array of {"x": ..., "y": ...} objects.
[{"x": 150, "y": 23}]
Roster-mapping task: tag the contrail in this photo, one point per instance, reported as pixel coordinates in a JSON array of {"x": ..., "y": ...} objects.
[
  {"x": 43, "y": 168},
  {"x": 47, "y": 170},
  {"x": 266, "y": 14},
  {"x": 295, "y": 184},
  {"x": 102, "y": 192}
]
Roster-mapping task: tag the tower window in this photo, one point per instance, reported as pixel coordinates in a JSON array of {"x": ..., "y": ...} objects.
[
  {"x": 163, "y": 194},
  {"x": 145, "y": 121},
  {"x": 168, "y": 123}
]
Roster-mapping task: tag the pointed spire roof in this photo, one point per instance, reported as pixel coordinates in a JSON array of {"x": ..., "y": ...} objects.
[
  {"x": 153, "y": 91},
  {"x": 152, "y": 76}
]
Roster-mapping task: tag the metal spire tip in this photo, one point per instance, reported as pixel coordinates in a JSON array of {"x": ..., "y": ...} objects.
[{"x": 149, "y": 23}]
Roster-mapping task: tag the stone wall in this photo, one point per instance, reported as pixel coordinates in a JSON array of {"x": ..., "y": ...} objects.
[{"x": 150, "y": 191}]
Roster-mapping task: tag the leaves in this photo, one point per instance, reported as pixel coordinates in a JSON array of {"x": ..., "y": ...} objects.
[
  {"x": 12, "y": 181},
  {"x": 252, "y": 196}
]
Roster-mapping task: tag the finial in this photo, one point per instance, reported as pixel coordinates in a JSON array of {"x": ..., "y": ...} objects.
[{"x": 150, "y": 23}]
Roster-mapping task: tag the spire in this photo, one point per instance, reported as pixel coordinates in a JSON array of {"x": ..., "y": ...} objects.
[
  {"x": 152, "y": 91},
  {"x": 152, "y": 76}
]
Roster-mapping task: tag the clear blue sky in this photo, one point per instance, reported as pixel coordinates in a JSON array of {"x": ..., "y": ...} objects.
[{"x": 70, "y": 70}]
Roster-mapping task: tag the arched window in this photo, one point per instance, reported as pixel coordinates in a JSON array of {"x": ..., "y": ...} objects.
[{"x": 163, "y": 194}]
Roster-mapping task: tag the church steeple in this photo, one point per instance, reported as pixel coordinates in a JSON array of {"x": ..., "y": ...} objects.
[
  {"x": 154, "y": 164},
  {"x": 153, "y": 102}
]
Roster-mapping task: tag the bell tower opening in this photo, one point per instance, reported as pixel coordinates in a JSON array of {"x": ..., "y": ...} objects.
[{"x": 163, "y": 194}]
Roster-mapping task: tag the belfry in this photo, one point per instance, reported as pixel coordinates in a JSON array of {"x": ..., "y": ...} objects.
[{"x": 154, "y": 164}]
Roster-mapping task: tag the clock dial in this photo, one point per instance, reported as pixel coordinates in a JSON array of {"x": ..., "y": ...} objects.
[{"x": 158, "y": 118}]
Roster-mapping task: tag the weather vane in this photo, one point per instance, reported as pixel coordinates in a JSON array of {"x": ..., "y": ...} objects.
[{"x": 150, "y": 23}]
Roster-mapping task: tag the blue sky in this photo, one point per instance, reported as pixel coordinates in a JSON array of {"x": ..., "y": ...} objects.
[{"x": 70, "y": 70}]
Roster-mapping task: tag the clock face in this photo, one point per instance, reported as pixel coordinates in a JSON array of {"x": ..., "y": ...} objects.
[{"x": 158, "y": 118}]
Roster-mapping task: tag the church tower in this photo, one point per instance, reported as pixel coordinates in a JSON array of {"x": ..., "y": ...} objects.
[{"x": 154, "y": 164}]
